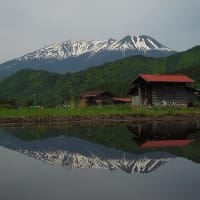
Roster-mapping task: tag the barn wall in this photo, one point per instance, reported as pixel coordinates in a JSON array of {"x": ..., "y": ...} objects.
[
  {"x": 169, "y": 95},
  {"x": 142, "y": 94},
  {"x": 135, "y": 100}
]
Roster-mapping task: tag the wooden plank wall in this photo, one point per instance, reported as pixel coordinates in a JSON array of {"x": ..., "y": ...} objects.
[{"x": 169, "y": 95}]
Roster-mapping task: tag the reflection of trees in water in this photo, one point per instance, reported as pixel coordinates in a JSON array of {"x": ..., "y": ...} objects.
[{"x": 118, "y": 137}]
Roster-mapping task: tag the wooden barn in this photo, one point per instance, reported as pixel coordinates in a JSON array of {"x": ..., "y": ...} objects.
[
  {"x": 161, "y": 90},
  {"x": 96, "y": 97}
]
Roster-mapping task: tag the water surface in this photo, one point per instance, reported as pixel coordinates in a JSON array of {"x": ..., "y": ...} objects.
[{"x": 140, "y": 161}]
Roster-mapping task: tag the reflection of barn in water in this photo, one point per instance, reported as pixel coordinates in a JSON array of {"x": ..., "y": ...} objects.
[{"x": 162, "y": 134}]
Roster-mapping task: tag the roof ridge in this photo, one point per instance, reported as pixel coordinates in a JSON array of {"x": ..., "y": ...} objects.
[{"x": 166, "y": 78}]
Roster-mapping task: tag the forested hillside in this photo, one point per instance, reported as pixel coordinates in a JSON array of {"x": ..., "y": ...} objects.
[{"x": 116, "y": 77}]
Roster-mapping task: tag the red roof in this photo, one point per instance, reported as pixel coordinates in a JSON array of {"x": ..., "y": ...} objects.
[
  {"x": 122, "y": 99},
  {"x": 176, "y": 78},
  {"x": 166, "y": 143}
]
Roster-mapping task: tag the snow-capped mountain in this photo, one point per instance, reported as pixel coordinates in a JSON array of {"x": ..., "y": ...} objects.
[
  {"x": 142, "y": 44},
  {"x": 73, "y": 56},
  {"x": 74, "y": 153}
]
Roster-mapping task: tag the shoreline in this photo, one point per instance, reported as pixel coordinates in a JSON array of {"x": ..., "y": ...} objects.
[{"x": 97, "y": 119}]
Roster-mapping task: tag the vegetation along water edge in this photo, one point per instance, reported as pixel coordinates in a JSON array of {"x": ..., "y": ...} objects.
[{"x": 111, "y": 113}]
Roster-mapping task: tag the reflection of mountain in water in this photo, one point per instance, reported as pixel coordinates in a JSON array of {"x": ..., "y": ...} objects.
[
  {"x": 159, "y": 134},
  {"x": 76, "y": 153}
]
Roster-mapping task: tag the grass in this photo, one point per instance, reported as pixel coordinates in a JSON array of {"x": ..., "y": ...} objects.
[{"x": 94, "y": 111}]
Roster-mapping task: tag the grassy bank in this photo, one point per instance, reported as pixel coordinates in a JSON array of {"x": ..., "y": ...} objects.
[{"x": 94, "y": 111}]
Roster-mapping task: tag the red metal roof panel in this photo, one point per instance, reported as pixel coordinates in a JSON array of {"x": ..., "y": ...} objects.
[
  {"x": 176, "y": 78},
  {"x": 123, "y": 99}
]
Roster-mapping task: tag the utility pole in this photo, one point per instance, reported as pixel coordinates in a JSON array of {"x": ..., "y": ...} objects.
[{"x": 34, "y": 99}]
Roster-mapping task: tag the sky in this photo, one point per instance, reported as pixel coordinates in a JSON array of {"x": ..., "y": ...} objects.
[{"x": 27, "y": 25}]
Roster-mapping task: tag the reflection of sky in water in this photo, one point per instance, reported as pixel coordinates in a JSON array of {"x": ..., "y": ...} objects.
[{"x": 25, "y": 178}]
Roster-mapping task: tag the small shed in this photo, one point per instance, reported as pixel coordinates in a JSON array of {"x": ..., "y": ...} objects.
[
  {"x": 7, "y": 102},
  {"x": 96, "y": 97},
  {"x": 161, "y": 90}
]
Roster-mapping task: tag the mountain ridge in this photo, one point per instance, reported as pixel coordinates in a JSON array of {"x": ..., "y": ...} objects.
[
  {"x": 73, "y": 56},
  {"x": 75, "y": 48}
]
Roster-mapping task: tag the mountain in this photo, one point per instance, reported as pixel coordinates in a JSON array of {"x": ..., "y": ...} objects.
[
  {"x": 116, "y": 77},
  {"x": 73, "y": 56},
  {"x": 74, "y": 153}
]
